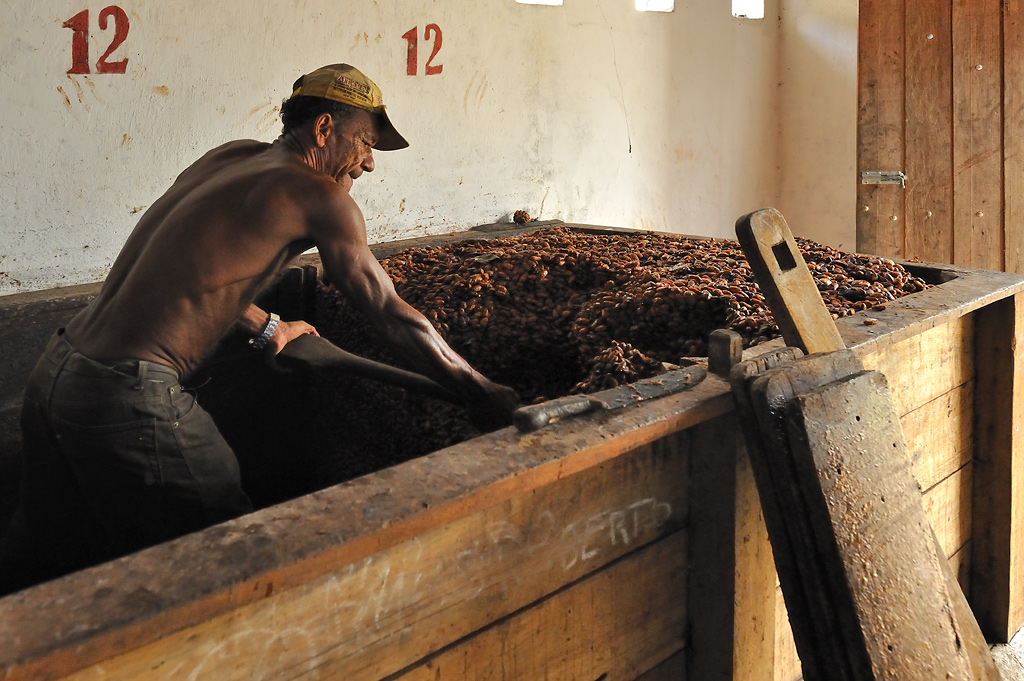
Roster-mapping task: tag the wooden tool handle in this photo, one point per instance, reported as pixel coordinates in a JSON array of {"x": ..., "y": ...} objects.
[
  {"x": 314, "y": 352},
  {"x": 786, "y": 282},
  {"x": 537, "y": 416}
]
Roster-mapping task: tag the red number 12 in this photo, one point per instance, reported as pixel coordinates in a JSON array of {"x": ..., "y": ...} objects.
[
  {"x": 80, "y": 40},
  {"x": 411, "y": 60}
]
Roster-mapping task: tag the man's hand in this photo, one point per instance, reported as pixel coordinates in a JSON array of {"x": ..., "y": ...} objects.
[
  {"x": 285, "y": 333},
  {"x": 495, "y": 409}
]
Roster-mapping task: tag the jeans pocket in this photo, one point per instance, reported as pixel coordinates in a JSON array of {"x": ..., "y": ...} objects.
[{"x": 113, "y": 458}]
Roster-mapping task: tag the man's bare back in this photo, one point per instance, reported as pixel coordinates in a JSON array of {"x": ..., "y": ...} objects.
[{"x": 199, "y": 256}]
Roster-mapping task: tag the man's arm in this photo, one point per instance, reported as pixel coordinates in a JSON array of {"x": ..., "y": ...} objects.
[{"x": 340, "y": 236}]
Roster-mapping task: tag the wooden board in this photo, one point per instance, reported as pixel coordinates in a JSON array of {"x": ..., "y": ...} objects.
[
  {"x": 873, "y": 514},
  {"x": 614, "y": 625},
  {"x": 785, "y": 504},
  {"x": 1013, "y": 140},
  {"x": 787, "y": 662},
  {"x": 880, "y": 121},
  {"x": 928, "y": 365},
  {"x": 948, "y": 506},
  {"x": 727, "y": 628},
  {"x": 753, "y": 652},
  {"x": 977, "y": 133},
  {"x": 940, "y": 435},
  {"x": 672, "y": 669},
  {"x": 929, "y": 126},
  {"x": 997, "y": 590}
]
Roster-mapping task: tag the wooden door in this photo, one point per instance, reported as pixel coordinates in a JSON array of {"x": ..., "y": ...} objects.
[{"x": 941, "y": 98}]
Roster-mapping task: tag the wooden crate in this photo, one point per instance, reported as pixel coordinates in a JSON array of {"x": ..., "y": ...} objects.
[{"x": 613, "y": 546}]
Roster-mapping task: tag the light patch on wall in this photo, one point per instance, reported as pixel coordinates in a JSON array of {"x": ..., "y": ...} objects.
[
  {"x": 539, "y": 2},
  {"x": 748, "y": 9},
  {"x": 655, "y": 5}
]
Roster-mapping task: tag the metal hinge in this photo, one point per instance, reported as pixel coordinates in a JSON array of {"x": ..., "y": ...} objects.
[{"x": 884, "y": 177}]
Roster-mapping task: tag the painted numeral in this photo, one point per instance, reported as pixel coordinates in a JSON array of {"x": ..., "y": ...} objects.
[
  {"x": 429, "y": 69},
  {"x": 411, "y": 60},
  {"x": 80, "y": 40},
  {"x": 120, "y": 33}
]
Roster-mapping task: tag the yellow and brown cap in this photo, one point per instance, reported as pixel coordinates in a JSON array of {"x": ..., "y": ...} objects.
[{"x": 348, "y": 85}]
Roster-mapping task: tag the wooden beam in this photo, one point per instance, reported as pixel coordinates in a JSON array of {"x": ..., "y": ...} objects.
[
  {"x": 753, "y": 652},
  {"x": 977, "y": 134},
  {"x": 1013, "y": 140},
  {"x": 929, "y": 129},
  {"x": 997, "y": 561},
  {"x": 732, "y": 584},
  {"x": 880, "y": 126}
]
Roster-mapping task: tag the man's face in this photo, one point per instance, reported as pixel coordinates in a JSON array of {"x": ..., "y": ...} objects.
[{"x": 351, "y": 149}]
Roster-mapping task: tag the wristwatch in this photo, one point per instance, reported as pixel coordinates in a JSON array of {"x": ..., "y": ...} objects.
[{"x": 259, "y": 342}]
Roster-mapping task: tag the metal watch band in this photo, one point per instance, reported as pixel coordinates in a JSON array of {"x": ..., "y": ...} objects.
[{"x": 259, "y": 342}]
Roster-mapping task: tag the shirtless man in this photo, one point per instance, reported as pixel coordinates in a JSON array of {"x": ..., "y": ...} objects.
[{"x": 117, "y": 456}]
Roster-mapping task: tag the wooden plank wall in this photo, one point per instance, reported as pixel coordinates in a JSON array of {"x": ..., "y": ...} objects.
[{"x": 940, "y": 97}]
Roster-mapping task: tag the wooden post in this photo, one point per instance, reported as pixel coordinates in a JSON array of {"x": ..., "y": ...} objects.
[
  {"x": 731, "y": 591},
  {"x": 997, "y": 561}
]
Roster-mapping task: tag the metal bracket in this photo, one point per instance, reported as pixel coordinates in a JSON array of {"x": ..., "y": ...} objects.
[{"x": 884, "y": 177}]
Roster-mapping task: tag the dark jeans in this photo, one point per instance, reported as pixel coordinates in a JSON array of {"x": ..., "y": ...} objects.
[{"x": 117, "y": 457}]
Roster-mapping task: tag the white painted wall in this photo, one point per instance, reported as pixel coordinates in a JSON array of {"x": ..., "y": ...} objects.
[
  {"x": 818, "y": 123},
  {"x": 590, "y": 112}
]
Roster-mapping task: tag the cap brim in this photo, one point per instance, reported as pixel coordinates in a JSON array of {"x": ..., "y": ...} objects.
[{"x": 388, "y": 138}]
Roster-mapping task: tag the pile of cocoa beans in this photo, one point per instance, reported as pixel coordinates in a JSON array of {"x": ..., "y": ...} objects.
[{"x": 558, "y": 311}]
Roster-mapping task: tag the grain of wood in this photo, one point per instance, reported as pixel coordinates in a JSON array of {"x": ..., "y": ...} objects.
[
  {"x": 997, "y": 589},
  {"x": 960, "y": 563},
  {"x": 977, "y": 134},
  {"x": 754, "y": 625},
  {"x": 672, "y": 669},
  {"x": 904, "y": 615},
  {"x": 948, "y": 506},
  {"x": 929, "y": 111},
  {"x": 712, "y": 577},
  {"x": 939, "y": 435},
  {"x": 787, "y": 661},
  {"x": 880, "y": 126},
  {"x": 615, "y": 625},
  {"x": 928, "y": 365},
  {"x": 1013, "y": 140}
]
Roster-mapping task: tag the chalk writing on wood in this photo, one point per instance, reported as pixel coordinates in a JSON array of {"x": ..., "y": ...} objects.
[
  {"x": 382, "y": 583},
  {"x": 80, "y": 40}
]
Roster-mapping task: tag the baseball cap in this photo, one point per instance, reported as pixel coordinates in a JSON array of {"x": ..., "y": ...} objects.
[{"x": 348, "y": 85}]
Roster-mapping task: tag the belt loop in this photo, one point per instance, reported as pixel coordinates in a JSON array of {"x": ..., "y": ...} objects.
[{"x": 143, "y": 369}]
